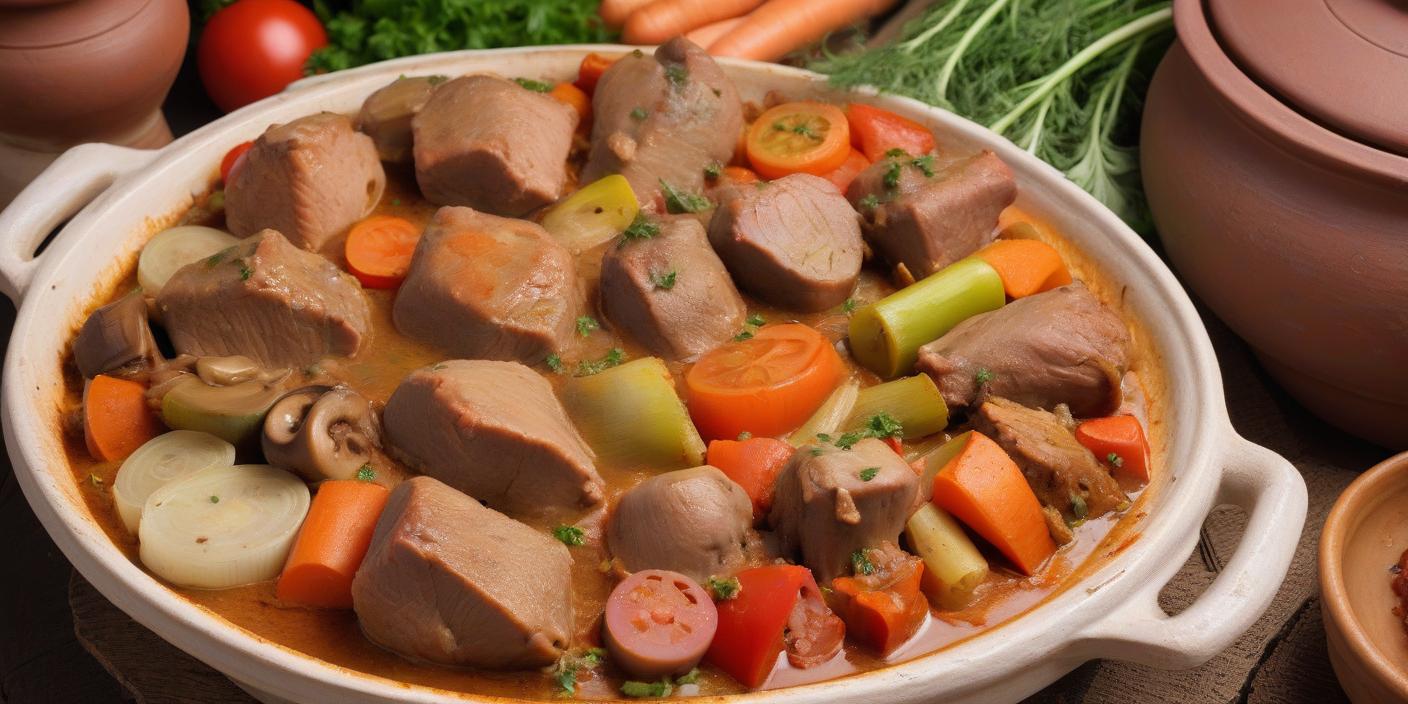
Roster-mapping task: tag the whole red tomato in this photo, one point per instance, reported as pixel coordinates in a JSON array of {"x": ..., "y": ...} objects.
[{"x": 253, "y": 48}]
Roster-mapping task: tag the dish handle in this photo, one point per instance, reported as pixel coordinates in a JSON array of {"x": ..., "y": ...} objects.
[
  {"x": 1273, "y": 495},
  {"x": 73, "y": 181}
]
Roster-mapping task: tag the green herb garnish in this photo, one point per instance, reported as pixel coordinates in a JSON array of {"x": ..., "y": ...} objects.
[
  {"x": 664, "y": 281},
  {"x": 677, "y": 202},
  {"x": 869, "y": 473},
  {"x": 586, "y": 324},
  {"x": 1114, "y": 460},
  {"x": 565, "y": 673},
  {"x": 849, "y": 306},
  {"x": 892, "y": 175},
  {"x": 535, "y": 86},
  {"x": 214, "y": 499},
  {"x": 569, "y": 535},
  {"x": 640, "y": 690},
  {"x": 925, "y": 164},
  {"x": 690, "y": 677},
  {"x": 983, "y": 377},
  {"x": 860, "y": 562},
  {"x": 677, "y": 74},
  {"x": 365, "y": 473},
  {"x": 436, "y": 80},
  {"x": 745, "y": 435},
  {"x": 612, "y": 358},
  {"x": 639, "y": 114},
  {"x": 743, "y": 335},
  {"x": 756, "y": 320},
  {"x": 554, "y": 362},
  {"x": 214, "y": 260},
  {"x": 641, "y": 228},
  {"x": 896, "y": 153},
  {"x": 1079, "y": 509},
  {"x": 724, "y": 589},
  {"x": 713, "y": 171},
  {"x": 870, "y": 202}
]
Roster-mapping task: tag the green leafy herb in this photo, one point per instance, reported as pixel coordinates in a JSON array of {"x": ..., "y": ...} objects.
[
  {"x": 535, "y": 86},
  {"x": 586, "y": 324},
  {"x": 664, "y": 281},
  {"x": 612, "y": 358},
  {"x": 849, "y": 306},
  {"x": 805, "y": 130},
  {"x": 1064, "y": 79},
  {"x": 677, "y": 74},
  {"x": 1079, "y": 509},
  {"x": 896, "y": 153},
  {"x": 569, "y": 535},
  {"x": 639, "y": 114},
  {"x": 824, "y": 437},
  {"x": 983, "y": 377},
  {"x": 214, "y": 260},
  {"x": 869, "y": 473},
  {"x": 365, "y": 473},
  {"x": 816, "y": 451},
  {"x": 683, "y": 201},
  {"x": 870, "y": 202},
  {"x": 860, "y": 562},
  {"x": 925, "y": 164},
  {"x": 1114, "y": 460},
  {"x": 245, "y": 271},
  {"x": 724, "y": 589},
  {"x": 554, "y": 362},
  {"x": 883, "y": 425},
  {"x": 743, "y": 335},
  {"x": 745, "y": 435},
  {"x": 214, "y": 499},
  {"x": 892, "y": 175},
  {"x": 690, "y": 677},
  {"x": 713, "y": 171},
  {"x": 565, "y": 672},
  {"x": 640, "y": 690},
  {"x": 756, "y": 320},
  {"x": 367, "y": 31},
  {"x": 641, "y": 228}
]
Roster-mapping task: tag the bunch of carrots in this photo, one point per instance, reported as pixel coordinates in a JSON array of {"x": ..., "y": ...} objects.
[{"x": 765, "y": 30}]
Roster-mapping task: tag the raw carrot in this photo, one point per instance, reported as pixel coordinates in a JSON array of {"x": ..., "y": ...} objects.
[
  {"x": 1025, "y": 266},
  {"x": 740, "y": 174},
  {"x": 710, "y": 33},
  {"x": 664, "y": 19},
  {"x": 379, "y": 250},
  {"x": 752, "y": 464},
  {"x": 875, "y": 131},
  {"x": 1117, "y": 441},
  {"x": 615, "y": 12},
  {"x": 116, "y": 418},
  {"x": 882, "y": 619},
  {"x": 983, "y": 488},
  {"x": 593, "y": 65},
  {"x": 780, "y": 26},
  {"x": 331, "y": 544},
  {"x": 577, "y": 98},
  {"x": 848, "y": 170}
]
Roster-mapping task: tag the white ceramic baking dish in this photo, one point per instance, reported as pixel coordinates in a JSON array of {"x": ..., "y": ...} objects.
[{"x": 117, "y": 197}]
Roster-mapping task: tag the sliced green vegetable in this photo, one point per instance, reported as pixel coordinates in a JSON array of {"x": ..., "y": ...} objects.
[
  {"x": 886, "y": 335},
  {"x": 234, "y": 414},
  {"x": 172, "y": 249},
  {"x": 631, "y": 415},
  {"x": 828, "y": 418},
  {"x": 913, "y": 401},
  {"x": 953, "y": 567},
  {"x": 594, "y": 214}
]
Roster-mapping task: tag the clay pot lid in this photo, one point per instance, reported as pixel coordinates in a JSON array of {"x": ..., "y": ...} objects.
[{"x": 1343, "y": 63}]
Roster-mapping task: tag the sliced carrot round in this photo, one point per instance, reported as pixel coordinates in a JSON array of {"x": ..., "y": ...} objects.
[
  {"x": 379, "y": 250},
  {"x": 765, "y": 385},
  {"x": 801, "y": 137}
]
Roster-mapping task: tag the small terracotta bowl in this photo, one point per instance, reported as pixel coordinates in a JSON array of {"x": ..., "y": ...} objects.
[{"x": 1366, "y": 532}]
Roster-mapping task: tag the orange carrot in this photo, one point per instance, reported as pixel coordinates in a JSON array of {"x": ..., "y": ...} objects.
[
  {"x": 1117, "y": 441},
  {"x": 710, "y": 33},
  {"x": 780, "y": 26},
  {"x": 848, "y": 170},
  {"x": 752, "y": 464},
  {"x": 882, "y": 619},
  {"x": 331, "y": 544},
  {"x": 577, "y": 98},
  {"x": 983, "y": 488},
  {"x": 116, "y": 418},
  {"x": 1025, "y": 266},
  {"x": 593, "y": 65},
  {"x": 379, "y": 250},
  {"x": 664, "y": 19},
  {"x": 615, "y": 12},
  {"x": 740, "y": 174}
]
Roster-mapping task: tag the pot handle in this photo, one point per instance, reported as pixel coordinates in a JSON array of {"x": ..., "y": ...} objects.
[
  {"x": 73, "y": 181},
  {"x": 1272, "y": 493}
]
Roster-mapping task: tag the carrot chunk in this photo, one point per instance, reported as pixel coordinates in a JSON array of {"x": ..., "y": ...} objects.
[
  {"x": 984, "y": 489},
  {"x": 1026, "y": 267},
  {"x": 116, "y": 418},
  {"x": 575, "y": 97},
  {"x": 1117, "y": 441},
  {"x": 752, "y": 464},
  {"x": 331, "y": 544}
]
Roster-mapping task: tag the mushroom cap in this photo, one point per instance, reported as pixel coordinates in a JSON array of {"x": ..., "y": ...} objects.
[{"x": 320, "y": 432}]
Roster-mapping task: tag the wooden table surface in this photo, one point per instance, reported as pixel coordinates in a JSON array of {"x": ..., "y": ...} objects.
[{"x": 45, "y": 659}]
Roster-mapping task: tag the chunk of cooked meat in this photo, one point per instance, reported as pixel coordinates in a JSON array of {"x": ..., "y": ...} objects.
[
  {"x": 826, "y": 509},
  {"x": 386, "y": 114},
  {"x": 310, "y": 179},
  {"x": 670, "y": 292},
  {"x": 693, "y": 521},
  {"x": 487, "y": 287},
  {"x": 793, "y": 242},
  {"x": 663, "y": 118},
  {"x": 117, "y": 337},
  {"x": 493, "y": 145},
  {"x": 449, "y": 581},
  {"x": 927, "y": 215},
  {"x": 268, "y": 300},
  {"x": 1062, "y": 472},
  {"x": 495, "y": 431},
  {"x": 1060, "y": 346}
]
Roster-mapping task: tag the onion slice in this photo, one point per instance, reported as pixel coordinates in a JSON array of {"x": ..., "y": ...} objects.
[
  {"x": 160, "y": 460},
  {"x": 223, "y": 527},
  {"x": 172, "y": 249}
]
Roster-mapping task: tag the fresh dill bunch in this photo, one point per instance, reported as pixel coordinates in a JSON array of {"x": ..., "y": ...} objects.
[{"x": 1063, "y": 79}]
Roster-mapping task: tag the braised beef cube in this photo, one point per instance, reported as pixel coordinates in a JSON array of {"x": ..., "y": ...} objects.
[
  {"x": 268, "y": 300},
  {"x": 693, "y": 521},
  {"x": 831, "y": 503},
  {"x": 1062, "y": 472},
  {"x": 449, "y": 581},
  {"x": 486, "y": 287},
  {"x": 1060, "y": 346},
  {"x": 495, "y": 431},
  {"x": 386, "y": 114},
  {"x": 493, "y": 145},
  {"x": 794, "y": 242},
  {"x": 116, "y": 337},
  {"x": 663, "y": 118},
  {"x": 670, "y": 292},
  {"x": 310, "y": 179},
  {"x": 927, "y": 215}
]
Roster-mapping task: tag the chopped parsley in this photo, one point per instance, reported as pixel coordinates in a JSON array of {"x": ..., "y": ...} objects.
[
  {"x": 1079, "y": 509},
  {"x": 365, "y": 473},
  {"x": 896, "y": 153},
  {"x": 1114, "y": 460},
  {"x": 824, "y": 437},
  {"x": 892, "y": 175},
  {"x": 805, "y": 130},
  {"x": 869, "y": 473},
  {"x": 664, "y": 281},
  {"x": 870, "y": 202},
  {"x": 816, "y": 451},
  {"x": 568, "y": 665},
  {"x": 925, "y": 164},
  {"x": 713, "y": 171},
  {"x": 677, "y": 74},
  {"x": 640, "y": 229},
  {"x": 745, "y": 435},
  {"x": 724, "y": 589},
  {"x": 612, "y": 358},
  {"x": 569, "y": 535},
  {"x": 586, "y": 324},
  {"x": 860, "y": 562},
  {"x": 214, "y": 499},
  {"x": 677, "y": 202},
  {"x": 880, "y": 426},
  {"x": 214, "y": 260},
  {"x": 554, "y": 362},
  {"x": 849, "y": 306},
  {"x": 639, "y": 114},
  {"x": 756, "y": 320},
  {"x": 641, "y": 690},
  {"x": 983, "y": 377},
  {"x": 535, "y": 86},
  {"x": 690, "y": 677},
  {"x": 245, "y": 271},
  {"x": 743, "y": 335},
  {"x": 637, "y": 53}
]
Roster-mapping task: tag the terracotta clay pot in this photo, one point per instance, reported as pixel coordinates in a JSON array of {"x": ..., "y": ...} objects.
[
  {"x": 83, "y": 71},
  {"x": 1293, "y": 230}
]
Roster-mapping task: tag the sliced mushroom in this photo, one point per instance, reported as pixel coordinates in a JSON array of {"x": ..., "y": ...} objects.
[
  {"x": 116, "y": 336},
  {"x": 320, "y": 432}
]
